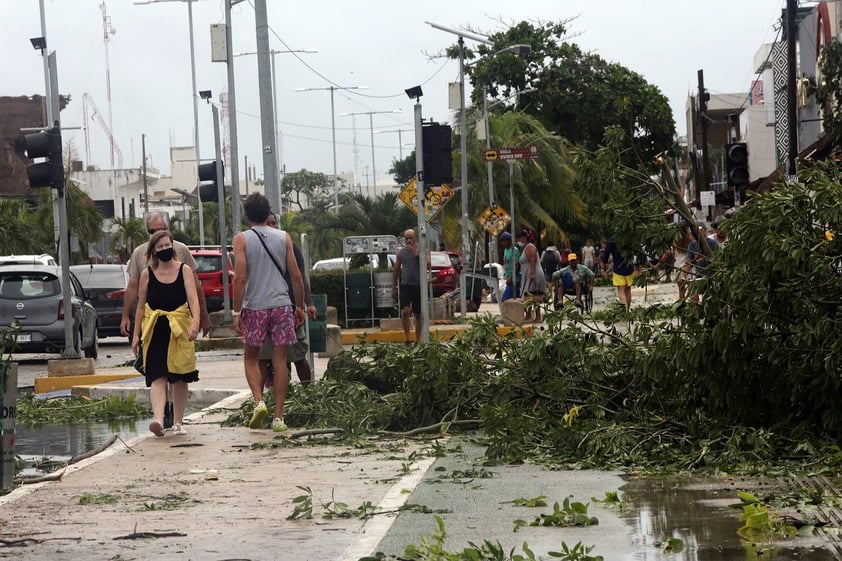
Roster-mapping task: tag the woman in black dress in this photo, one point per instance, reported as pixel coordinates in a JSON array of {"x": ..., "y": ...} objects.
[{"x": 166, "y": 324}]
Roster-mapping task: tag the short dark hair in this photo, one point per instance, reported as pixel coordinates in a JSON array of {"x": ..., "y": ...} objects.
[{"x": 256, "y": 208}]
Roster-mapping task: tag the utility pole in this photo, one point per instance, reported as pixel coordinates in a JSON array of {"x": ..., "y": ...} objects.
[
  {"x": 791, "y": 93},
  {"x": 145, "y": 182},
  {"x": 704, "y": 97},
  {"x": 232, "y": 124},
  {"x": 267, "y": 117}
]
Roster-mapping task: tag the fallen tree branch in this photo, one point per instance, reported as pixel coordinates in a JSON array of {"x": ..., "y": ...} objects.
[
  {"x": 55, "y": 476},
  {"x": 431, "y": 428},
  {"x": 146, "y": 535},
  {"x": 129, "y": 448},
  {"x": 89, "y": 453},
  {"x": 24, "y": 542},
  {"x": 313, "y": 432}
]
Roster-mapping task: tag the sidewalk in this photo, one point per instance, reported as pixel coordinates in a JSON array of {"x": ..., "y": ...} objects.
[{"x": 225, "y": 493}]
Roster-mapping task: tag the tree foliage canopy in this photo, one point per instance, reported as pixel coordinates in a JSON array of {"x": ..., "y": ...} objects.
[
  {"x": 577, "y": 94},
  {"x": 745, "y": 381}
]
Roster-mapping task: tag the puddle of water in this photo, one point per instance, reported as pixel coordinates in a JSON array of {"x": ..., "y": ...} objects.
[
  {"x": 71, "y": 440},
  {"x": 697, "y": 512}
]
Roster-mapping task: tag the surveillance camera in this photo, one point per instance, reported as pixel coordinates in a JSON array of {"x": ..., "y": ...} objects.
[{"x": 205, "y": 94}]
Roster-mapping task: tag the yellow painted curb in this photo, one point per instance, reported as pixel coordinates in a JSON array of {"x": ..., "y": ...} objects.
[
  {"x": 441, "y": 333},
  {"x": 56, "y": 383}
]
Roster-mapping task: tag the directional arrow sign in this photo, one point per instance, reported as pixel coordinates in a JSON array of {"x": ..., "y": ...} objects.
[{"x": 505, "y": 154}]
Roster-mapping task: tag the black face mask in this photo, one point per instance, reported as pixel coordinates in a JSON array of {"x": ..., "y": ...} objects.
[{"x": 165, "y": 254}]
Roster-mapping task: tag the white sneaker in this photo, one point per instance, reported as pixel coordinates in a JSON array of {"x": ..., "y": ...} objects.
[
  {"x": 178, "y": 428},
  {"x": 278, "y": 425}
]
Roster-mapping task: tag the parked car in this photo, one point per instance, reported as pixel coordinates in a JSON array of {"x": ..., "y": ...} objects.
[
  {"x": 209, "y": 269},
  {"x": 334, "y": 264},
  {"x": 31, "y": 295},
  {"x": 445, "y": 268},
  {"x": 105, "y": 285},
  {"x": 42, "y": 259}
]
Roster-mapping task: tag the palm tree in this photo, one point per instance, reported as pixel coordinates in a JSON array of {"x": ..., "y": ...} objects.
[
  {"x": 84, "y": 219},
  {"x": 544, "y": 198},
  {"x": 16, "y": 228},
  {"x": 131, "y": 232}
]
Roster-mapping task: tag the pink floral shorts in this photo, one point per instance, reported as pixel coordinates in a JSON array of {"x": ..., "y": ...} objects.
[{"x": 275, "y": 326}]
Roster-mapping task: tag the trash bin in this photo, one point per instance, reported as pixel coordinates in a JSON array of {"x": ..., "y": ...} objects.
[
  {"x": 358, "y": 291},
  {"x": 318, "y": 326},
  {"x": 383, "y": 291}
]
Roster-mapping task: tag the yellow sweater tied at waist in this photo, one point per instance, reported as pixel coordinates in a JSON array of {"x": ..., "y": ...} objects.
[{"x": 181, "y": 352}]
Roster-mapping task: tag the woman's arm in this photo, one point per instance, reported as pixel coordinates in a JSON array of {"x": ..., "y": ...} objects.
[
  {"x": 192, "y": 301},
  {"x": 143, "y": 287}
]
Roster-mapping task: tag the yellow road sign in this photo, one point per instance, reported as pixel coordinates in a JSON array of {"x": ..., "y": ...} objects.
[
  {"x": 494, "y": 220},
  {"x": 435, "y": 199}
]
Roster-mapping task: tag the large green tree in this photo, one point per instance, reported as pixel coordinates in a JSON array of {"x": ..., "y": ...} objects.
[
  {"x": 309, "y": 189},
  {"x": 577, "y": 94}
]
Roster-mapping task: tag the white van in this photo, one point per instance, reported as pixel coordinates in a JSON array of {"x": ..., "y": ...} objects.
[{"x": 42, "y": 259}]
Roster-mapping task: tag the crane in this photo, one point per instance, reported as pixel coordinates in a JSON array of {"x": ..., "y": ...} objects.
[{"x": 88, "y": 101}]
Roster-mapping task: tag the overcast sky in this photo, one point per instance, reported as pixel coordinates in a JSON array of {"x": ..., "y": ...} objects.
[{"x": 384, "y": 45}]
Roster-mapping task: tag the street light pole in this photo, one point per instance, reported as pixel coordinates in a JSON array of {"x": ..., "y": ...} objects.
[
  {"x": 333, "y": 133},
  {"x": 463, "y": 160},
  {"x": 371, "y": 115},
  {"x": 400, "y": 139},
  {"x": 463, "y": 151}
]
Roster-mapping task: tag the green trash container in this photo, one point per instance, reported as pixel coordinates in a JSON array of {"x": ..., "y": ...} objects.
[
  {"x": 318, "y": 326},
  {"x": 358, "y": 286}
]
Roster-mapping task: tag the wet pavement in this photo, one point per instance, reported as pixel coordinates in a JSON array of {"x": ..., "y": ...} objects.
[{"x": 222, "y": 493}]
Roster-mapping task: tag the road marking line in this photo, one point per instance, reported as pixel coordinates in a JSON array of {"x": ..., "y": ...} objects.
[{"x": 373, "y": 531}]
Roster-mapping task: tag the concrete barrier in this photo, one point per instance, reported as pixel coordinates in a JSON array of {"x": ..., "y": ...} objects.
[
  {"x": 334, "y": 340},
  {"x": 513, "y": 312},
  {"x": 70, "y": 367}
]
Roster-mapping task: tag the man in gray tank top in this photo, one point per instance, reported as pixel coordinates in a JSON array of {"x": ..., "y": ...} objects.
[
  {"x": 407, "y": 276},
  {"x": 263, "y": 309}
]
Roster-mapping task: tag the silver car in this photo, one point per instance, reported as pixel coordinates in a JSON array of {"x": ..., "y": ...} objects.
[{"x": 31, "y": 295}]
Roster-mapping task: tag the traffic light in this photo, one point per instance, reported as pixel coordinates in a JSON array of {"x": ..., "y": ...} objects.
[
  {"x": 209, "y": 192},
  {"x": 438, "y": 155},
  {"x": 47, "y": 145},
  {"x": 736, "y": 161}
]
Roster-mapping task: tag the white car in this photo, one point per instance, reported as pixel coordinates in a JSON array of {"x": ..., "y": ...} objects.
[
  {"x": 340, "y": 263},
  {"x": 335, "y": 264},
  {"x": 42, "y": 259}
]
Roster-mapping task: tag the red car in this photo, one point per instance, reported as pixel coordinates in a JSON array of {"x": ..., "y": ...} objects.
[
  {"x": 445, "y": 268},
  {"x": 209, "y": 269}
]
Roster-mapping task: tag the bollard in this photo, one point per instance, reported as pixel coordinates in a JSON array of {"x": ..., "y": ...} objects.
[{"x": 8, "y": 409}]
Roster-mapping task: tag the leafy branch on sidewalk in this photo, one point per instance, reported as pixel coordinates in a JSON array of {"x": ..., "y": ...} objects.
[{"x": 745, "y": 381}]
